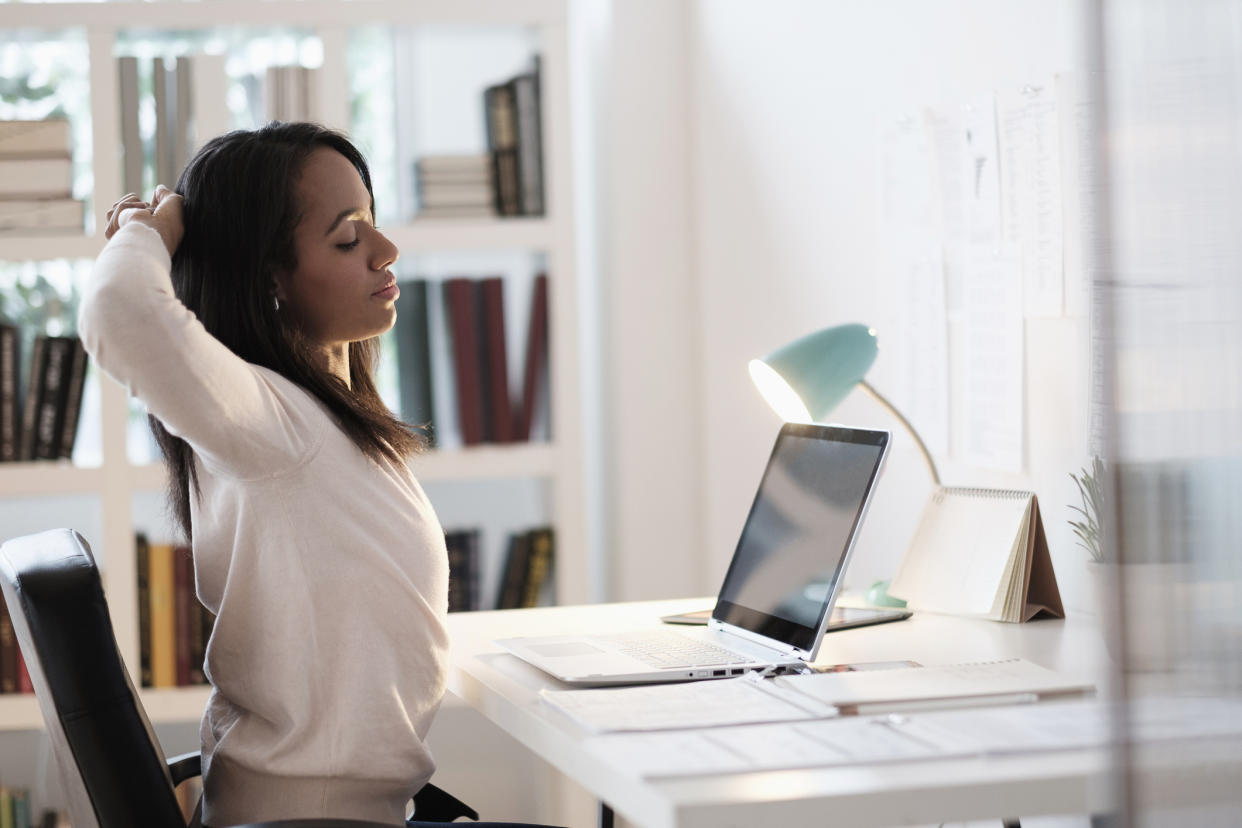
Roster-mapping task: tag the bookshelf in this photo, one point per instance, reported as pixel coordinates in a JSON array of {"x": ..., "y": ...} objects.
[{"x": 114, "y": 484}]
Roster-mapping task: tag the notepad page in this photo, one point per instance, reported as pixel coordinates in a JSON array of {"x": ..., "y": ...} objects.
[{"x": 959, "y": 556}]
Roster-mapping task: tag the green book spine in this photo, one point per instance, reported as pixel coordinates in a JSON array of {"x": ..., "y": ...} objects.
[{"x": 414, "y": 356}]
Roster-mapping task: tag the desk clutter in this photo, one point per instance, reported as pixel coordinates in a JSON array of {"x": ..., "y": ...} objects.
[
  {"x": 753, "y": 699},
  {"x": 804, "y": 721},
  {"x": 929, "y": 736},
  {"x": 980, "y": 553}
]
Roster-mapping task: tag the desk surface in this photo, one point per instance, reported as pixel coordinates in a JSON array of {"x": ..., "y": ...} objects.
[{"x": 506, "y": 691}]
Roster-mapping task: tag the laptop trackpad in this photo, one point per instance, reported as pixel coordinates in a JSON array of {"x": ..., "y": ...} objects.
[{"x": 566, "y": 648}]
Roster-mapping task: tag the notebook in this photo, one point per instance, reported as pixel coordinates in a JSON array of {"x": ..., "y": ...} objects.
[
  {"x": 980, "y": 553},
  {"x": 779, "y": 590}
]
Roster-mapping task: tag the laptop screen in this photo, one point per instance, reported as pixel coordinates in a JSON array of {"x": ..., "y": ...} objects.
[{"x": 793, "y": 549}]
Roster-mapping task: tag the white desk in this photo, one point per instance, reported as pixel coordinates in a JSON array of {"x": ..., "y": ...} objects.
[{"x": 505, "y": 690}]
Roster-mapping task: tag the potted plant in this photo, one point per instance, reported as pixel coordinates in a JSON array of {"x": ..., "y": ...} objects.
[{"x": 1148, "y": 580}]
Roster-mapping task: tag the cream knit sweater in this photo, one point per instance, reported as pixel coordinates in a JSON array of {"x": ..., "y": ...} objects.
[{"x": 327, "y": 571}]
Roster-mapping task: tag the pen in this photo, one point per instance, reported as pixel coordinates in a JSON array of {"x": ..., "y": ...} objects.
[{"x": 927, "y": 705}]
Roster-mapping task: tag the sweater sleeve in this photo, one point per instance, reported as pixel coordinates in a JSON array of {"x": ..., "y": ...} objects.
[{"x": 233, "y": 414}]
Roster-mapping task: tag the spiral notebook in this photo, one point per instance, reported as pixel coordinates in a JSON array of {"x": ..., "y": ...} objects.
[{"x": 980, "y": 553}]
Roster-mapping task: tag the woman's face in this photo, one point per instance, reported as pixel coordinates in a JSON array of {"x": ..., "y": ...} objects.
[{"x": 343, "y": 289}]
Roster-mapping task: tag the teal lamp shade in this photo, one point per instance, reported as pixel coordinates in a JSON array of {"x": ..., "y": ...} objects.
[{"x": 809, "y": 377}]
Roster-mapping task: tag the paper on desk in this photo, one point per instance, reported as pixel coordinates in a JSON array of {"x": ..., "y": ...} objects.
[
  {"x": 733, "y": 701},
  {"x": 855, "y": 741},
  {"x": 988, "y": 678}
]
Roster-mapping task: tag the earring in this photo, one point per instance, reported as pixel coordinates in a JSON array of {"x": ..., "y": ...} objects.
[{"x": 276, "y": 302}]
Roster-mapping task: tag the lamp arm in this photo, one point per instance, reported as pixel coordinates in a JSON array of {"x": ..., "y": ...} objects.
[{"x": 931, "y": 465}]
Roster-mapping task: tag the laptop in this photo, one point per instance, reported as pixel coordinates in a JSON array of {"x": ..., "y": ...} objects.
[{"x": 778, "y": 593}]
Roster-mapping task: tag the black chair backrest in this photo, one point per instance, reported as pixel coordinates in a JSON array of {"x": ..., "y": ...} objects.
[{"x": 110, "y": 761}]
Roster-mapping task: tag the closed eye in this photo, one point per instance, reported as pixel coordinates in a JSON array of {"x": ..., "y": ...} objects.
[{"x": 348, "y": 245}]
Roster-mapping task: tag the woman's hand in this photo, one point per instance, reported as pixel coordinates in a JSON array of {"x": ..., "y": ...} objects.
[{"x": 162, "y": 214}]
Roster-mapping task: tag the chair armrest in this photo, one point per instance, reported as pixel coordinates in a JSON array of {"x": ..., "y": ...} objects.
[
  {"x": 185, "y": 766},
  {"x": 432, "y": 804}
]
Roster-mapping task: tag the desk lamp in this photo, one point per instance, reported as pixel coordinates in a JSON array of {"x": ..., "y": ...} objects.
[{"x": 809, "y": 377}]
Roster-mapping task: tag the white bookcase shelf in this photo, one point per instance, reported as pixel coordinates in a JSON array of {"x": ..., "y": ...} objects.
[{"x": 116, "y": 481}]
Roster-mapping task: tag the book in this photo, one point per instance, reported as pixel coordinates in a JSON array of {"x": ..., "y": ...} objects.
[
  {"x": 10, "y": 412},
  {"x": 74, "y": 388},
  {"x": 463, "y": 560},
  {"x": 500, "y": 119},
  {"x": 500, "y": 410},
  {"x": 980, "y": 553},
  {"x": 131, "y": 135},
  {"x": 21, "y": 808},
  {"x": 21, "y": 138},
  {"x": 53, "y": 398},
  {"x": 184, "y": 606},
  {"x": 181, "y": 86},
  {"x": 41, "y": 216},
  {"x": 162, "y": 596},
  {"x": 535, "y": 370},
  {"x": 527, "y": 573},
  {"x": 197, "y": 636},
  {"x": 8, "y": 651},
  {"x": 413, "y": 332},
  {"x": 513, "y": 576},
  {"x": 36, "y": 177},
  {"x": 30, "y": 399},
  {"x": 24, "y": 682},
  {"x": 538, "y": 575},
  {"x": 6, "y": 807},
  {"x": 164, "y": 120},
  {"x": 461, "y": 306},
  {"x": 209, "y": 91},
  {"x": 142, "y": 566},
  {"x": 529, "y": 141}
]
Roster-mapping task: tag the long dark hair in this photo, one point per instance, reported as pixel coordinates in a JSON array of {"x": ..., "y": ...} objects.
[{"x": 241, "y": 209}]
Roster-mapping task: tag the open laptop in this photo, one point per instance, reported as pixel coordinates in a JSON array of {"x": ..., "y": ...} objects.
[{"x": 778, "y": 594}]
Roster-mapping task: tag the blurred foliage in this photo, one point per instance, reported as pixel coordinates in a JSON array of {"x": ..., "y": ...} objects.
[{"x": 39, "y": 306}]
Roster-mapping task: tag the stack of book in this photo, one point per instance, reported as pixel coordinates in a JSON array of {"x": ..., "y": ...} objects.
[
  {"x": 454, "y": 186},
  {"x": 512, "y": 113},
  {"x": 173, "y": 627},
  {"x": 292, "y": 93},
  {"x": 36, "y": 179},
  {"x": 42, "y": 422},
  {"x": 14, "y": 677},
  {"x": 461, "y": 327},
  {"x": 15, "y": 808},
  {"x": 526, "y": 580}
]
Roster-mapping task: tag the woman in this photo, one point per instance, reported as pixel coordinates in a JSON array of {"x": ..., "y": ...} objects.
[{"x": 243, "y": 310}]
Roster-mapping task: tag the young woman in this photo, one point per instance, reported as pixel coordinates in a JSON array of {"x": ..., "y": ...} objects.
[{"x": 243, "y": 310}]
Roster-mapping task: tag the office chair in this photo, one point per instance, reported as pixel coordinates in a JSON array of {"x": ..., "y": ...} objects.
[{"x": 110, "y": 761}]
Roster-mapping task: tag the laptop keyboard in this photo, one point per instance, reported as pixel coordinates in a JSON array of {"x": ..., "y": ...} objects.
[{"x": 663, "y": 648}]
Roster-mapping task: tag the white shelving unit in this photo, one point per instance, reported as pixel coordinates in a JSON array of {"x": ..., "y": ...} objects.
[{"x": 116, "y": 482}]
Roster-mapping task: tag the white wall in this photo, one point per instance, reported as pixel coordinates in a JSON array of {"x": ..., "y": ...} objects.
[
  {"x": 781, "y": 116},
  {"x": 789, "y": 99}
]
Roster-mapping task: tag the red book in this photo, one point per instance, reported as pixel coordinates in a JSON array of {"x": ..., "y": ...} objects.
[
  {"x": 24, "y": 684},
  {"x": 535, "y": 375},
  {"x": 461, "y": 303},
  {"x": 501, "y": 409},
  {"x": 183, "y": 603},
  {"x": 8, "y": 651}
]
